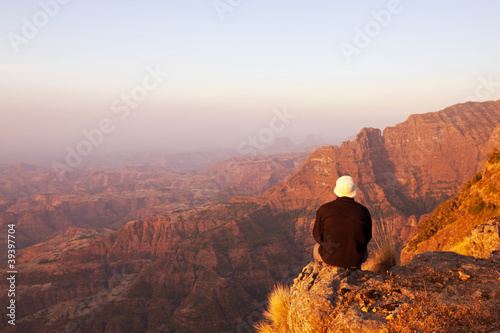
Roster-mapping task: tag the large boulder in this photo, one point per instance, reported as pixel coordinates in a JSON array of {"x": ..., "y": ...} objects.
[{"x": 436, "y": 291}]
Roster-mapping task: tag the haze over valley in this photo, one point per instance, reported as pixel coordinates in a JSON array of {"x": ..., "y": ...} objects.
[
  {"x": 162, "y": 162},
  {"x": 220, "y": 238}
]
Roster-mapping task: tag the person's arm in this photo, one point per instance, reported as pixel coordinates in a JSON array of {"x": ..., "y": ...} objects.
[
  {"x": 318, "y": 228},
  {"x": 368, "y": 232}
]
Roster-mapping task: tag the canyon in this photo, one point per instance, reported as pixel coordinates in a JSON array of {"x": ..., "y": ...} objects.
[
  {"x": 42, "y": 202},
  {"x": 158, "y": 264}
]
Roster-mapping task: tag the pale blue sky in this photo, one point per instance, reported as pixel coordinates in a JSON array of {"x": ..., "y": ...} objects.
[{"x": 226, "y": 76}]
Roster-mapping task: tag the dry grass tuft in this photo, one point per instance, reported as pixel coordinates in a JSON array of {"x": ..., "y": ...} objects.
[
  {"x": 279, "y": 304},
  {"x": 386, "y": 251},
  {"x": 276, "y": 316},
  {"x": 264, "y": 327}
]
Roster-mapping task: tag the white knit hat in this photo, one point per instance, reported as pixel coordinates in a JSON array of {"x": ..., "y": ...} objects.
[{"x": 345, "y": 187}]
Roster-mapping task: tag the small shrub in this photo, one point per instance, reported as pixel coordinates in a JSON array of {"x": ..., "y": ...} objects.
[
  {"x": 476, "y": 206},
  {"x": 494, "y": 156},
  {"x": 474, "y": 180}
]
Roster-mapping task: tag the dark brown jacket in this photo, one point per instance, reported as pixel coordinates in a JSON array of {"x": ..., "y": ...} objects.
[{"x": 343, "y": 228}]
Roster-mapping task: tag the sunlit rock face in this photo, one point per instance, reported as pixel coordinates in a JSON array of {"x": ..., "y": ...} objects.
[{"x": 439, "y": 290}]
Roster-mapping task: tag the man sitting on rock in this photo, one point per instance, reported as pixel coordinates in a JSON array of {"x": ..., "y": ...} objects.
[{"x": 343, "y": 228}]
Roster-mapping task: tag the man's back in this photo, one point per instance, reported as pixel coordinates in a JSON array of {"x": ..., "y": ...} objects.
[{"x": 343, "y": 228}]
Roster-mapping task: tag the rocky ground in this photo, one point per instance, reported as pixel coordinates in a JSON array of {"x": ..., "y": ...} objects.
[{"x": 435, "y": 292}]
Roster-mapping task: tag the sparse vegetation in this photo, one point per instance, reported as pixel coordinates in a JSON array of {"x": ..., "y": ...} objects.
[
  {"x": 494, "y": 156},
  {"x": 475, "y": 248},
  {"x": 481, "y": 243},
  {"x": 477, "y": 205},
  {"x": 441, "y": 217},
  {"x": 276, "y": 315},
  {"x": 386, "y": 249},
  {"x": 477, "y": 202},
  {"x": 428, "y": 314}
]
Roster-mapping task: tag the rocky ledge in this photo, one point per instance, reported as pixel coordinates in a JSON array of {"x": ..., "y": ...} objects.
[{"x": 435, "y": 292}]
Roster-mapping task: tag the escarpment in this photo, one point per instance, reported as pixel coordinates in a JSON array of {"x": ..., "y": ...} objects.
[
  {"x": 435, "y": 292},
  {"x": 210, "y": 262}
]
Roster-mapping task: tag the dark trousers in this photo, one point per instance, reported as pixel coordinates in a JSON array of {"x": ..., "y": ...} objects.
[{"x": 318, "y": 258}]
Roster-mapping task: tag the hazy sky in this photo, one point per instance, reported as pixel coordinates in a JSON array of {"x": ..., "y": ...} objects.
[{"x": 67, "y": 67}]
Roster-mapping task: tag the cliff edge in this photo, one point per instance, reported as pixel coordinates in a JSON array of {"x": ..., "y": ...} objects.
[{"x": 435, "y": 292}]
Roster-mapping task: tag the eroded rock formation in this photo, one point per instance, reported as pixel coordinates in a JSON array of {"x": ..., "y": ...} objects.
[
  {"x": 204, "y": 267},
  {"x": 436, "y": 291}
]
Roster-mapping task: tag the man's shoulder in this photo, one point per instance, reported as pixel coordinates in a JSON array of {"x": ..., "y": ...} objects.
[
  {"x": 342, "y": 202},
  {"x": 360, "y": 205},
  {"x": 327, "y": 205}
]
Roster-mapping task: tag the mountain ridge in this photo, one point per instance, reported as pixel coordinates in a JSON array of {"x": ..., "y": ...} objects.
[
  {"x": 451, "y": 225},
  {"x": 249, "y": 243}
]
